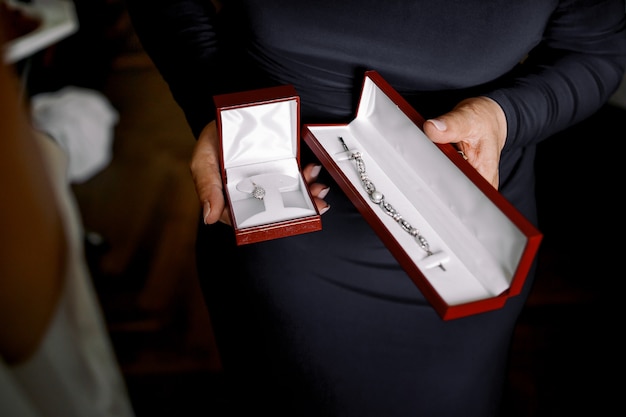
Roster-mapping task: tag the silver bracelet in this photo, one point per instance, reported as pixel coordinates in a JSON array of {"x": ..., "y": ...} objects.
[{"x": 378, "y": 198}]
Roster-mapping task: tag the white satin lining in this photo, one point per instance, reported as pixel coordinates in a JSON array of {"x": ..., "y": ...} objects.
[{"x": 259, "y": 133}]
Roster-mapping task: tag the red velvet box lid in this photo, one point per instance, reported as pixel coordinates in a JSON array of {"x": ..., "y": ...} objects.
[
  {"x": 482, "y": 246},
  {"x": 259, "y": 134}
]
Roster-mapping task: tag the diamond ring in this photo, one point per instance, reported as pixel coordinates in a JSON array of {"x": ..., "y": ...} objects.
[{"x": 258, "y": 192}]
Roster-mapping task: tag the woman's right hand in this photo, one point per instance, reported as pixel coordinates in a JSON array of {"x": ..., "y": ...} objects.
[{"x": 206, "y": 174}]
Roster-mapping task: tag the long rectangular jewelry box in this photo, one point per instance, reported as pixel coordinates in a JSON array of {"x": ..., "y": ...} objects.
[{"x": 461, "y": 242}]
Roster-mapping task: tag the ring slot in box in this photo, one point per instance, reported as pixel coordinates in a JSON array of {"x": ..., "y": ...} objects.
[
  {"x": 259, "y": 134},
  {"x": 480, "y": 248}
]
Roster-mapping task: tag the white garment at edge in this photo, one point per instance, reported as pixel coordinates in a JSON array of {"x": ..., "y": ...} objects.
[
  {"x": 82, "y": 121},
  {"x": 74, "y": 372}
]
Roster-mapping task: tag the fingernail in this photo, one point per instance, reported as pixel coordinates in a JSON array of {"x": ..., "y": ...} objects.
[
  {"x": 324, "y": 210},
  {"x": 206, "y": 210},
  {"x": 323, "y": 193},
  {"x": 441, "y": 126},
  {"x": 316, "y": 171}
]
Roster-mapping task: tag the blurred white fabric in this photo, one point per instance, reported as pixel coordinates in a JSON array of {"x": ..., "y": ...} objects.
[
  {"x": 74, "y": 371},
  {"x": 82, "y": 121}
]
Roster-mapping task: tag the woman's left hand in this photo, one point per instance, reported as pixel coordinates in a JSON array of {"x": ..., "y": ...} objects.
[{"x": 477, "y": 126}]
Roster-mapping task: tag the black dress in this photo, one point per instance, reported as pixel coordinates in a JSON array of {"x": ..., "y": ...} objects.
[{"x": 327, "y": 323}]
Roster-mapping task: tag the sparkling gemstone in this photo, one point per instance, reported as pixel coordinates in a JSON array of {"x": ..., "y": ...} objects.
[{"x": 258, "y": 192}]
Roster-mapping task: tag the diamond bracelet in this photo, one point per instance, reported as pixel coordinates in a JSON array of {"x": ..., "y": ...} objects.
[{"x": 378, "y": 198}]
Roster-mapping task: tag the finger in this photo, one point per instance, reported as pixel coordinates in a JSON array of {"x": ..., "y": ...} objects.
[
  {"x": 322, "y": 206},
  {"x": 485, "y": 165},
  {"x": 213, "y": 205},
  {"x": 311, "y": 172},
  {"x": 438, "y": 130},
  {"x": 461, "y": 148},
  {"x": 318, "y": 191}
]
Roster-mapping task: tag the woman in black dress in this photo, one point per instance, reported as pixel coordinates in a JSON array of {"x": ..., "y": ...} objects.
[{"x": 328, "y": 323}]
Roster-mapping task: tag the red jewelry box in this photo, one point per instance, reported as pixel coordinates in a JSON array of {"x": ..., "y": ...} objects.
[
  {"x": 482, "y": 247},
  {"x": 259, "y": 133}
]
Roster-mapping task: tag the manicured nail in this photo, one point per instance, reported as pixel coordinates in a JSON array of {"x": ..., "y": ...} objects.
[
  {"x": 316, "y": 171},
  {"x": 441, "y": 126},
  {"x": 323, "y": 193},
  {"x": 206, "y": 210},
  {"x": 324, "y": 210}
]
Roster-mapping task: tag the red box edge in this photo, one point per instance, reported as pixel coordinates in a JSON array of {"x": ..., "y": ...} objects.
[{"x": 278, "y": 230}]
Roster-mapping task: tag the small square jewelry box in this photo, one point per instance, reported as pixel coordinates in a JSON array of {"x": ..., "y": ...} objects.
[
  {"x": 461, "y": 242},
  {"x": 259, "y": 134}
]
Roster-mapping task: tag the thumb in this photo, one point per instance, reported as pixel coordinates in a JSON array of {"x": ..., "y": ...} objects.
[
  {"x": 439, "y": 130},
  {"x": 205, "y": 171},
  {"x": 212, "y": 201}
]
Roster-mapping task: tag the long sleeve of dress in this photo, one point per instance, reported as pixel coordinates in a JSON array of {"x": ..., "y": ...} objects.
[{"x": 570, "y": 75}]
